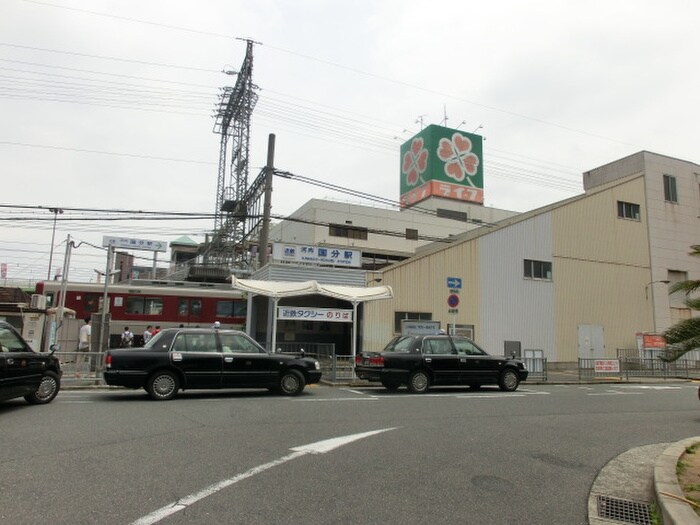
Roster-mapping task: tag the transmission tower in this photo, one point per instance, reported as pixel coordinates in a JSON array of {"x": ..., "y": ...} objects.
[{"x": 227, "y": 249}]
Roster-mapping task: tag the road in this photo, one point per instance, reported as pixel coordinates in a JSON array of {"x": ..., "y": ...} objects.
[{"x": 451, "y": 456}]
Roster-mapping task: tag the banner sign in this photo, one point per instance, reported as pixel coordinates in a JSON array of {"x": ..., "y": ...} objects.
[
  {"x": 302, "y": 253},
  {"x": 607, "y": 365},
  {"x": 304, "y": 313},
  {"x": 442, "y": 162}
]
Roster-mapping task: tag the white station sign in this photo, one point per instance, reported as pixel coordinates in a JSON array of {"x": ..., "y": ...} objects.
[{"x": 134, "y": 244}]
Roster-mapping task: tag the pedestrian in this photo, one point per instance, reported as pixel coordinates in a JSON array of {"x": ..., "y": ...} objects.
[
  {"x": 127, "y": 337},
  {"x": 147, "y": 334},
  {"x": 155, "y": 330},
  {"x": 84, "y": 340}
]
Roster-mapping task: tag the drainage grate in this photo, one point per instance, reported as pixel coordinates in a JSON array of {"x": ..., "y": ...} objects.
[{"x": 624, "y": 510}]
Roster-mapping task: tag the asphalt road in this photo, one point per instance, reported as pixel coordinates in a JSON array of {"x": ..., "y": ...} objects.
[{"x": 451, "y": 456}]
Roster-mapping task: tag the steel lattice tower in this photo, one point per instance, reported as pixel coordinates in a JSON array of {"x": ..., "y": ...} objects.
[{"x": 233, "y": 116}]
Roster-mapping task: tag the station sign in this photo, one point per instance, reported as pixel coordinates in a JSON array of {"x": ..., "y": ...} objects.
[
  {"x": 126, "y": 243},
  {"x": 304, "y": 253}
]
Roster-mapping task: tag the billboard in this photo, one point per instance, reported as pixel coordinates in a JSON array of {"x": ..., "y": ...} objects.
[{"x": 442, "y": 162}]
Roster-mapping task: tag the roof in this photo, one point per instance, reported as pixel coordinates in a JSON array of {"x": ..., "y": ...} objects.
[
  {"x": 278, "y": 289},
  {"x": 184, "y": 241}
]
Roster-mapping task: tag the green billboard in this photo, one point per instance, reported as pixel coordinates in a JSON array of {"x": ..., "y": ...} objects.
[{"x": 442, "y": 162}]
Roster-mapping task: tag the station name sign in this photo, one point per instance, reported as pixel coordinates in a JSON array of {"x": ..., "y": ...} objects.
[
  {"x": 134, "y": 244},
  {"x": 304, "y": 253}
]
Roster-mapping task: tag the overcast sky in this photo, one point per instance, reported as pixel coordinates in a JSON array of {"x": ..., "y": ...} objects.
[{"x": 108, "y": 104}]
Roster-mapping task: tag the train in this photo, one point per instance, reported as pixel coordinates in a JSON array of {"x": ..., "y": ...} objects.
[{"x": 163, "y": 304}]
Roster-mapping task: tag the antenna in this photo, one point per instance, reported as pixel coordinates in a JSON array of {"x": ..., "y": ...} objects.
[{"x": 419, "y": 120}]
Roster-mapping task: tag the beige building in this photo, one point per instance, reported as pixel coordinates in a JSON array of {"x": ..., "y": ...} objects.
[{"x": 576, "y": 279}]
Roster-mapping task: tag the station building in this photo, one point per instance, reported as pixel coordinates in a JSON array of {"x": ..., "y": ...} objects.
[{"x": 580, "y": 278}]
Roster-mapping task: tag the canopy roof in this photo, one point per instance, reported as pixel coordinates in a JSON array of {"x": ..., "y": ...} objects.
[{"x": 279, "y": 289}]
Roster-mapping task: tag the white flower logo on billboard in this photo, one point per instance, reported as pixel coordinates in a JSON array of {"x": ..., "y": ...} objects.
[
  {"x": 460, "y": 162},
  {"x": 415, "y": 162}
]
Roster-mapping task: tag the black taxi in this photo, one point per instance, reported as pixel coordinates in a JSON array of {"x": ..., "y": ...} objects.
[{"x": 420, "y": 361}]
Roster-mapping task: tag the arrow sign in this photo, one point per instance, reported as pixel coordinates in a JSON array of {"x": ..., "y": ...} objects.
[
  {"x": 134, "y": 244},
  {"x": 454, "y": 283},
  {"x": 320, "y": 447}
]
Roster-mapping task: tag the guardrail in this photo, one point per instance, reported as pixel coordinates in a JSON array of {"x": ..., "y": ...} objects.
[
  {"x": 626, "y": 367},
  {"x": 82, "y": 367}
]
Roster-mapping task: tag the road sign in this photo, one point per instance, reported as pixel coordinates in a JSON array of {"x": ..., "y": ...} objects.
[
  {"x": 454, "y": 283},
  {"x": 453, "y": 300},
  {"x": 134, "y": 244}
]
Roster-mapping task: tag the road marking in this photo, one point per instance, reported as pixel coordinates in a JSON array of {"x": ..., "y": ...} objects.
[
  {"x": 320, "y": 447},
  {"x": 616, "y": 393},
  {"x": 366, "y": 398}
]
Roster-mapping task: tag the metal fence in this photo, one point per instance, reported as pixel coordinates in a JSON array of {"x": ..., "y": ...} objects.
[
  {"x": 627, "y": 367},
  {"x": 82, "y": 367},
  {"x": 333, "y": 367},
  {"x": 537, "y": 368}
]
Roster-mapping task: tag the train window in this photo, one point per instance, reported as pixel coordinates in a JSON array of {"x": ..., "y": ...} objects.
[
  {"x": 153, "y": 305},
  {"x": 196, "y": 306},
  {"x": 231, "y": 308},
  {"x": 91, "y": 303},
  {"x": 144, "y": 305},
  {"x": 187, "y": 307}
]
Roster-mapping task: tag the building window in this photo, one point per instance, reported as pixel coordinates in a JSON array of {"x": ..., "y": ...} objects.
[
  {"x": 628, "y": 210},
  {"x": 538, "y": 270},
  {"x": 411, "y": 234},
  {"x": 413, "y": 316},
  {"x": 670, "y": 192},
  {"x": 349, "y": 232}
]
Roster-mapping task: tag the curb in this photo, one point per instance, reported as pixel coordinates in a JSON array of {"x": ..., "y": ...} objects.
[{"x": 666, "y": 488}]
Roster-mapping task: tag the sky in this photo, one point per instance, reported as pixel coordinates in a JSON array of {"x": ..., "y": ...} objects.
[{"x": 108, "y": 105}]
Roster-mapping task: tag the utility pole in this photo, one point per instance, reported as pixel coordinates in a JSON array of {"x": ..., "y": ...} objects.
[
  {"x": 267, "y": 202},
  {"x": 55, "y": 212}
]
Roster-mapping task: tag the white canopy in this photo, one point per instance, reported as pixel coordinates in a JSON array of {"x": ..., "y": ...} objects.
[{"x": 279, "y": 289}]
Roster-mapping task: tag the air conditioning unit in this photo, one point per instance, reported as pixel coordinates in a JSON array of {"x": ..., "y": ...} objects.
[{"x": 38, "y": 301}]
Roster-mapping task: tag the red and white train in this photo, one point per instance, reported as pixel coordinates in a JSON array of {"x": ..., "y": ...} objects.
[{"x": 157, "y": 303}]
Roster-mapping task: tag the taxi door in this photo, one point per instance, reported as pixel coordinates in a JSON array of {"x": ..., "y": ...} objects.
[
  {"x": 247, "y": 364},
  {"x": 197, "y": 355},
  {"x": 441, "y": 359}
]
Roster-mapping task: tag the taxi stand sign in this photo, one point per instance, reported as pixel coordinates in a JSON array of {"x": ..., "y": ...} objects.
[{"x": 134, "y": 244}]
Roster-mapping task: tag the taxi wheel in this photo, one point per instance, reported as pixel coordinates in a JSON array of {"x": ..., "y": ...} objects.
[
  {"x": 418, "y": 382},
  {"x": 291, "y": 383},
  {"x": 163, "y": 385},
  {"x": 509, "y": 380},
  {"x": 47, "y": 390}
]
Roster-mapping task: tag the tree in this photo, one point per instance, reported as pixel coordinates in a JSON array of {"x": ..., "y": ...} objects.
[{"x": 684, "y": 336}]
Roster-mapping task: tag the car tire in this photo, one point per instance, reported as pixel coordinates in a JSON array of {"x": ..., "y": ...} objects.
[
  {"x": 47, "y": 390},
  {"x": 291, "y": 383},
  {"x": 391, "y": 385},
  {"x": 163, "y": 385},
  {"x": 418, "y": 382},
  {"x": 509, "y": 380}
]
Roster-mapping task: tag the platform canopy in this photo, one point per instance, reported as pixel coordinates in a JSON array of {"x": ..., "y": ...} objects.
[{"x": 280, "y": 289}]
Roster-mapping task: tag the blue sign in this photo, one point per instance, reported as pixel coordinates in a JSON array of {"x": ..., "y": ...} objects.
[
  {"x": 453, "y": 301},
  {"x": 454, "y": 283}
]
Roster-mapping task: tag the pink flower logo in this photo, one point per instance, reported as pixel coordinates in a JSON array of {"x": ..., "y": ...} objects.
[
  {"x": 415, "y": 162},
  {"x": 460, "y": 162}
]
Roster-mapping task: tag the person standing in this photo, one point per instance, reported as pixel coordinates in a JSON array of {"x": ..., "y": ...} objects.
[
  {"x": 84, "y": 340},
  {"x": 155, "y": 330},
  {"x": 147, "y": 334},
  {"x": 127, "y": 337}
]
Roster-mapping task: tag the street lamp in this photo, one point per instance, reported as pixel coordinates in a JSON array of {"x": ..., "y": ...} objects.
[
  {"x": 646, "y": 288},
  {"x": 55, "y": 212}
]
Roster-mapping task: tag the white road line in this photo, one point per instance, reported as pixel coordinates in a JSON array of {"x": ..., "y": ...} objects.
[
  {"x": 366, "y": 398},
  {"x": 320, "y": 447},
  {"x": 616, "y": 394}
]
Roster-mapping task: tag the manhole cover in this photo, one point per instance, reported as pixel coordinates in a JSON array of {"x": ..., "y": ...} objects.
[{"x": 624, "y": 510}]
